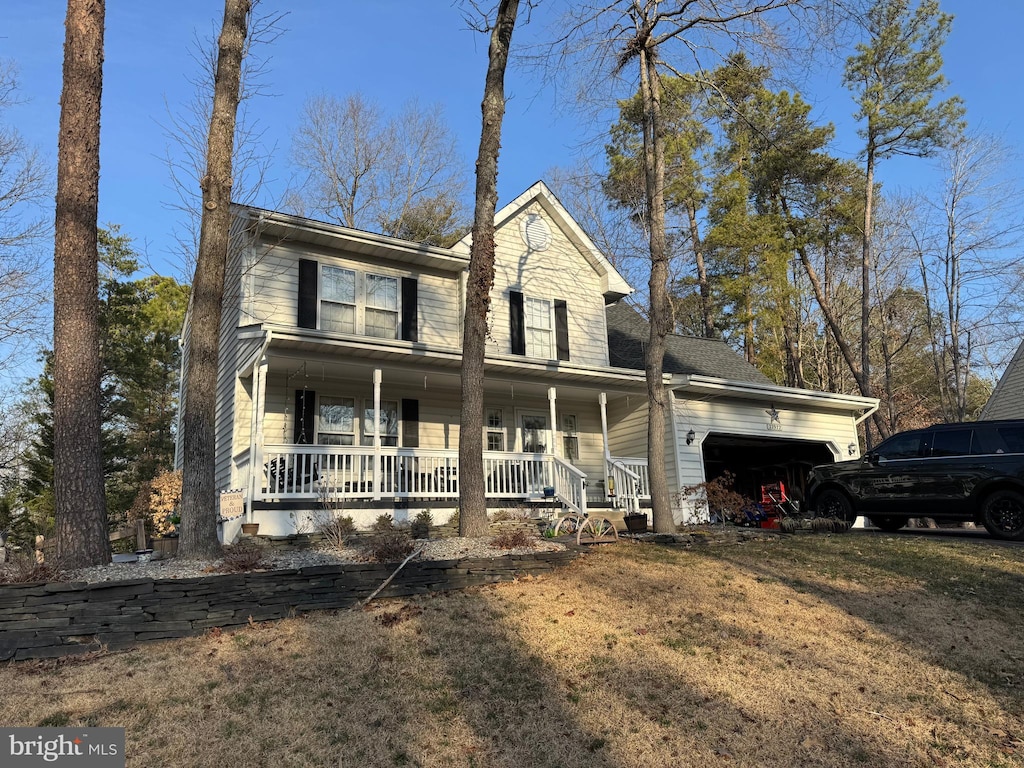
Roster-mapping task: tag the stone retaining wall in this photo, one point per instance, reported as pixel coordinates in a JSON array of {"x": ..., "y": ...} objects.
[{"x": 49, "y": 620}]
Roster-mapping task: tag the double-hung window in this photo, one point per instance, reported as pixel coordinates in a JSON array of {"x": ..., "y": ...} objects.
[
  {"x": 495, "y": 429},
  {"x": 388, "y": 423},
  {"x": 338, "y": 302},
  {"x": 538, "y": 328},
  {"x": 381, "y": 306},
  {"x": 337, "y": 421},
  {"x": 357, "y": 302}
]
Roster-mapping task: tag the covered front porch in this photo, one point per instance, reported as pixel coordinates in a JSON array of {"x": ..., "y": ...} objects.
[{"x": 336, "y": 432}]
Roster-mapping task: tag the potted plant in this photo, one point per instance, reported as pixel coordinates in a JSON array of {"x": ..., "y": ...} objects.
[
  {"x": 250, "y": 529},
  {"x": 636, "y": 522}
]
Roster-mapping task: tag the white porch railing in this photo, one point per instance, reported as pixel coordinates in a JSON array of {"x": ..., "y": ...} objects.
[
  {"x": 632, "y": 482},
  {"x": 297, "y": 472}
]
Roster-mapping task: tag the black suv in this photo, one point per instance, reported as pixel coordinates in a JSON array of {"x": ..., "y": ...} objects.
[{"x": 972, "y": 471}]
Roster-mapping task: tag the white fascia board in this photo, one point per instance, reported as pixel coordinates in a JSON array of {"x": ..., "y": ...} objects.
[
  {"x": 611, "y": 281},
  {"x": 709, "y": 385},
  {"x": 357, "y": 240}
]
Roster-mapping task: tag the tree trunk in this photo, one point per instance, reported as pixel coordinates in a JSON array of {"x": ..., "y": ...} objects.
[
  {"x": 79, "y": 497},
  {"x": 661, "y": 309},
  {"x": 865, "y": 298},
  {"x": 472, "y": 497},
  {"x": 199, "y": 497},
  {"x": 702, "y": 272}
]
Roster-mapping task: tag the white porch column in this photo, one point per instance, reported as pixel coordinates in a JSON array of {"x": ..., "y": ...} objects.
[
  {"x": 377, "y": 473},
  {"x": 257, "y": 438},
  {"x": 554, "y": 449},
  {"x": 602, "y": 399}
]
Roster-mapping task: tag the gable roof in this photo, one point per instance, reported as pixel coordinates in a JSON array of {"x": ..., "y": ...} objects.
[
  {"x": 1007, "y": 399},
  {"x": 628, "y": 333},
  {"x": 613, "y": 285}
]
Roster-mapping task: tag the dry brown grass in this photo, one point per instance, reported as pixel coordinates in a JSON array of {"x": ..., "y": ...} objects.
[{"x": 811, "y": 651}]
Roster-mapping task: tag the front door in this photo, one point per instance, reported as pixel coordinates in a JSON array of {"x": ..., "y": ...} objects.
[{"x": 534, "y": 432}]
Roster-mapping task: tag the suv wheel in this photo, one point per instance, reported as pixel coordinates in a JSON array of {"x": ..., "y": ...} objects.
[
  {"x": 888, "y": 523},
  {"x": 833, "y": 503},
  {"x": 1002, "y": 512}
]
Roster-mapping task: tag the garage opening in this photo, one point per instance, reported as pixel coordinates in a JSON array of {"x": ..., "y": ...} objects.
[{"x": 757, "y": 461}]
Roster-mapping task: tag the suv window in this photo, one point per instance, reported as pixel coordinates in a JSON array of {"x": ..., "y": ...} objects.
[
  {"x": 952, "y": 442},
  {"x": 1013, "y": 437},
  {"x": 905, "y": 446}
]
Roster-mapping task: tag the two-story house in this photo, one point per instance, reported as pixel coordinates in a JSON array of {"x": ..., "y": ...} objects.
[{"x": 340, "y": 377}]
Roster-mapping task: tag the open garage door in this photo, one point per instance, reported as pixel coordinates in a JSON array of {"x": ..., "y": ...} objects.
[{"x": 757, "y": 461}]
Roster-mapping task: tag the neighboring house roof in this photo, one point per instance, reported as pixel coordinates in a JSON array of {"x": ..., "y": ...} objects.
[
  {"x": 627, "y": 339},
  {"x": 613, "y": 285},
  {"x": 1007, "y": 399}
]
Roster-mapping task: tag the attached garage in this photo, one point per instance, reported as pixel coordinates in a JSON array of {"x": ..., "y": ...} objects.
[
  {"x": 760, "y": 432},
  {"x": 755, "y": 461},
  {"x": 725, "y": 415}
]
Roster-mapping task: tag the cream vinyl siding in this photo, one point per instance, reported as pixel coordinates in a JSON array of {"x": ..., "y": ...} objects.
[
  {"x": 231, "y": 351},
  {"x": 627, "y": 427},
  {"x": 559, "y": 272},
  {"x": 275, "y": 291},
  {"x": 736, "y": 417},
  {"x": 438, "y": 418}
]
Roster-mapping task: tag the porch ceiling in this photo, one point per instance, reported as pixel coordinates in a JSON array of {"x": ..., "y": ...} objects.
[{"x": 329, "y": 359}]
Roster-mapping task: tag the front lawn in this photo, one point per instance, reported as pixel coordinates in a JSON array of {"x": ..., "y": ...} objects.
[{"x": 839, "y": 650}]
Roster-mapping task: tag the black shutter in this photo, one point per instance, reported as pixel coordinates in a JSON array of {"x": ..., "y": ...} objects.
[
  {"x": 562, "y": 329},
  {"x": 410, "y": 314},
  {"x": 517, "y": 322},
  {"x": 308, "y": 278},
  {"x": 305, "y": 413},
  {"x": 410, "y": 423}
]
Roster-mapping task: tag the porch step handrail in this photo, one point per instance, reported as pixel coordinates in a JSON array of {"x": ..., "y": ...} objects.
[{"x": 629, "y": 485}]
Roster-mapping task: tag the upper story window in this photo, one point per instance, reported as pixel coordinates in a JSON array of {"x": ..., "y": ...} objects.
[
  {"x": 538, "y": 328},
  {"x": 338, "y": 302},
  {"x": 353, "y": 302},
  {"x": 382, "y": 306}
]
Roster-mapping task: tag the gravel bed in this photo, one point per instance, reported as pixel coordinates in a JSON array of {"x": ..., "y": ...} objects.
[{"x": 173, "y": 568}]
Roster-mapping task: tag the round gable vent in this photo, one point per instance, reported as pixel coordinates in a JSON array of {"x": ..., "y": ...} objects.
[{"x": 535, "y": 231}]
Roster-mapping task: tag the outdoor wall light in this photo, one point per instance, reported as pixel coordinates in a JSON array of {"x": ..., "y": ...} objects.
[
  {"x": 852, "y": 448},
  {"x": 690, "y": 437}
]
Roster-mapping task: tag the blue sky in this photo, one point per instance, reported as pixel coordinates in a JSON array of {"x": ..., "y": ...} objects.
[{"x": 392, "y": 51}]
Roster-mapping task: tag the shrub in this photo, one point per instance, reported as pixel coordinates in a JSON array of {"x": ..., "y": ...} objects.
[
  {"x": 157, "y": 503},
  {"x": 337, "y": 530},
  {"x": 388, "y": 547},
  {"x": 421, "y": 525},
  {"x": 25, "y": 570},
  {"x": 241, "y": 557},
  {"x": 383, "y": 524},
  {"x": 514, "y": 539},
  {"x": 717, "y": 498}
]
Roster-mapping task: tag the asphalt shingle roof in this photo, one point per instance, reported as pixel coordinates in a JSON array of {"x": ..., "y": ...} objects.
[{"x": 627, "y": 337}]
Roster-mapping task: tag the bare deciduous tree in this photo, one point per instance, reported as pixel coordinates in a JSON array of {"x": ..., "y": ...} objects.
[
  {"x": 366, "y": 171},
  {"x": 23, "y": 188},
  {"x": 79, "y": 498},
  {"x": 198, "y": 499}
]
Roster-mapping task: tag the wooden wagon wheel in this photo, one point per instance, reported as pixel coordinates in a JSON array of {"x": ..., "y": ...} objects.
[
  {"x": 568, "y": 524},
  {"x": 596, "y": 530}
]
